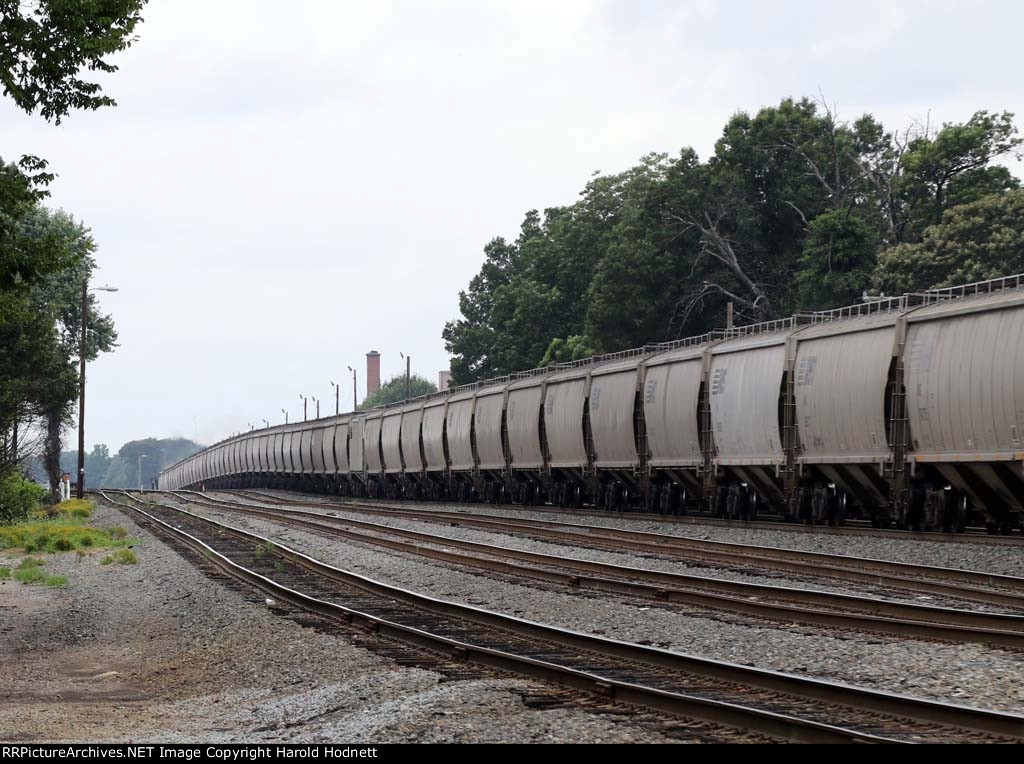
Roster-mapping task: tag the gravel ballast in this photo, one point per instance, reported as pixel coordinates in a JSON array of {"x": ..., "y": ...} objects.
[
  {"x": 636, "y": 559},
  {"x": 160, "y": 652},
  {"x": 969, "y": 673},
  {"x": 991, "y": 558}
]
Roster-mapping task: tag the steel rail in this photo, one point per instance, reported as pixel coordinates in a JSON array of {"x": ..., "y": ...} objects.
[
  {"x": 858, "y": 528},
  {"x": 951, "y": 582},
  {"x": 870, "y": 614},
  {"x": 930, "y": 712}
]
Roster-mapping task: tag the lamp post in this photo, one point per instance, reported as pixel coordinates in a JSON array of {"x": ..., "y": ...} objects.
[
  {"x": 354, "y": 404},
  {"x": 141, "y": 457},
  {"x": 337, "y": 398},
  {"x": 81, "y": 384},
  {"x": 304, "y": 399},
  {"x": 265, "y": 422},
  {"x": 285, "y": 416},
  {"x": 317, "y": 402},
  {"x": 408, "y": 361}
]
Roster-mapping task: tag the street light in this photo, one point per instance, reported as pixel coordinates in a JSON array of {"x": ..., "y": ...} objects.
[
  {"x": 265, "y": 422},
  {"x": 337, "y": 398},
  {"x": 285, "y": 416},
  {"x": 317, "y": 402},
  {"x": 141, "y": 457},
  {"x": 81, "y": 383},
  {"x": 408, "y": 360},
  {"x": 303, "y": 406},
  {"x": 354, "y": 405}
]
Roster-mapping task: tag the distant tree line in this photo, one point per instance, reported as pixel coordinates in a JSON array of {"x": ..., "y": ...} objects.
[
  {"x": 795, "y": 209},
  {"x": 121, "y": 470}
]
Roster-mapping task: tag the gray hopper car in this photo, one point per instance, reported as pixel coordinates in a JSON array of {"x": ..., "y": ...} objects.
[{"x": 905, "y": 410}]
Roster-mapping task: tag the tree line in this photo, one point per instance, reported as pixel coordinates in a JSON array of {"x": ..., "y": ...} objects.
[
  {"x": 136, "y": 462},
  {"x": 46, "y": 255},
  {"x": 796, "y": 209}
]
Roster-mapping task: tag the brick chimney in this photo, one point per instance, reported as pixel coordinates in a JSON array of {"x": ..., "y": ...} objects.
[
  {"x": 444, "y": 379},
  {"x": 372, "y": 372}
]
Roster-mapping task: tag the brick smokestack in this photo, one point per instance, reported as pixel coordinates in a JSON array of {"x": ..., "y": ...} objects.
[{"x": 372, "y": 372}]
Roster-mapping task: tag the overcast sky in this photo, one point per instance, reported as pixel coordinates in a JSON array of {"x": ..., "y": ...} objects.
[{"x": 285, "y": 186}]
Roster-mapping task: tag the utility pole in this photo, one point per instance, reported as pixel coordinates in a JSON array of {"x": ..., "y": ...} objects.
[
  {"x": 408, "y": 361},
  {"x": 141, "y": 457},
  {"x": 80, "y": 493},
  {"x": 355, "y": 405}
]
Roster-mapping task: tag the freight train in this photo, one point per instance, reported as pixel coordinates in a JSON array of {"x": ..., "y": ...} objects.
[{"x": 906, "y": 410}]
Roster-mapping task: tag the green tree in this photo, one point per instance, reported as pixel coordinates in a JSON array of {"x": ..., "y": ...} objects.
[
  {"x": 48, "y": 43},
  {"x": 973, "y": 242},
  {"x": 790, "y": 212},
  {"x": 573, "y": 348},
  {"x": 59, "y": 296},
  {"x": 44, "y": 47},
  {"x": 952, "y": 167},
  {"x": 837, "y": 262},
  {"x": 393, "y": 391}
]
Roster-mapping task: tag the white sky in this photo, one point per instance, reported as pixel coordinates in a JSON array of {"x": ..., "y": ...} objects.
[{"x": 287, "y": 185}]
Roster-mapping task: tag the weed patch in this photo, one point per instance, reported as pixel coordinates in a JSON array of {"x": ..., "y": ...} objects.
[
  {"x": 120, "y": 557},
  {"x": 36, "y": 575},
  {"x": 5, "y": 573},
  {"x": 59, "y": 535}
]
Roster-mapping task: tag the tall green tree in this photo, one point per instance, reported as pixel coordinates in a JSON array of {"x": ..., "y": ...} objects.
[
  {"x": 790, "y": 212},
  {"x": 973, "y": 242},
  {"x": 45, "y": 45}
]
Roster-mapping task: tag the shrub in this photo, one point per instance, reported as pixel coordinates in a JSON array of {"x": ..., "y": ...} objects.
[
  {"x": 30, "y": 562},
  {"x": 18, "y": 497},
  {"x": 117, "y": 532},
  {"x": 5, "y": 573}
]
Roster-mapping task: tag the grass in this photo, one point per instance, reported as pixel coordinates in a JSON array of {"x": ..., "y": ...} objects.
[
  {"x": 60, "y": 530},
  {"x": 120, "y": 557},
  {"x": 30, "y": 571}
]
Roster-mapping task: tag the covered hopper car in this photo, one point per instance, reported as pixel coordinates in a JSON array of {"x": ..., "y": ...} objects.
[{"x": 905, "y": 410}]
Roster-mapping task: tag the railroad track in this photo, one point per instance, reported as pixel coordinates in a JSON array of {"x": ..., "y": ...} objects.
[
  {"x": 967, "y": 585},
  {"x": 864, "y": 614},
  {"x": 970, "y": 535},
  {"x": 767, "y": 702}
]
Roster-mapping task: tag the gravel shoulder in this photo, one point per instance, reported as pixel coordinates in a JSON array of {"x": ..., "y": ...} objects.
[
  {"x": 160, "y": 652},
  {"x": 969, "y": 674}
]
